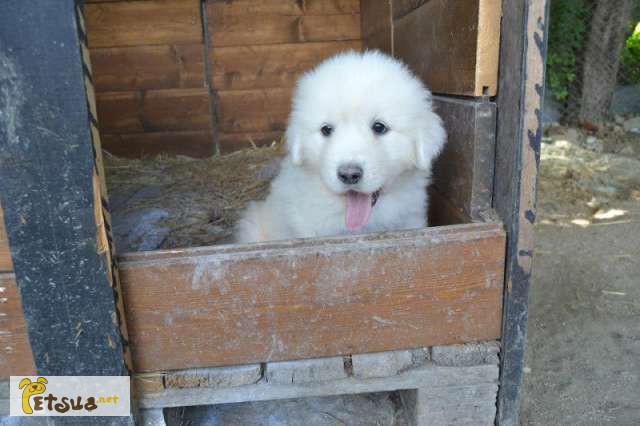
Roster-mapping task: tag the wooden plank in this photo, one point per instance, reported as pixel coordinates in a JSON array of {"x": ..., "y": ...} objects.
[
  {"x": 226, "y": 27},
  {"x": 6, "y": 264},
  {"x": 191, "y": 65},
  {"x": 404, "y": 7},
  {"x": 377, "y": 25},
  {"x": 283, "y": 7},
  {"x": 458, "y": 42},
  {"x": 63, "y": 267},
  {"x": 230, "y": 142},
  {"x": 136, "y": 23},
  {"x": 461, "y": 391},
  {"x": 245, "y": 304},
  {"x": 269, "y": 66},
  {"x": 488, "y": 47},
  {"x": 15, "y": 353},
  {"x": 184, "y": 109},
  {"x": 375, "y": 16},
  {"x": 377, "y": 20},
  {"x": 464, "y": 171},
  {"x": 144, "y": 384},
  {"x": 446, "y": 32},
  {"x": 118, "y": 112},
  {"x": 253, "y": 110},
  {"x": 522, "y": 58},
  {"x": 198, "y": 144},
  {"x": 154, "y": 111},
  {"x": 148, "y": 67},
  {"x": 442, "y": 211}
]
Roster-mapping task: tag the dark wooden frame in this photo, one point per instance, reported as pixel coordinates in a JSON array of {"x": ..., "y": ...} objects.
[
  {"x": 55, "y": 208},
  {"x": 43, "y": 181},
  {"x": 520, "y": 93}
]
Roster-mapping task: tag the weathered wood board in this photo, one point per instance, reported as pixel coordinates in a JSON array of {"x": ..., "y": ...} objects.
[
  {"x": 54, "y": 204},
  {"x": 452, "y": 44},
  {"x": 135, "y": 23},
  {"x": 284, "y": 7},
  {"x": 246, "y": 29},
  {"x": 241, "y": 23},
  {"x": 464, "y": 170},
  {"x": 6, "y": 264},
  {"x": 455, "y": 394},
  {"x": 522, "y": 65},
  {"x": 154, "y": 110},
  {"x": 376, "y": 24},
  {"x": 243, "y": 304},
  {"x": 401, "y": 8},
  {"x": 148, "y": 67},
  {"x": 15, "y": 350},
  {"x": 442, "y": 211},
  {"x": 264, "y": 110},
  {"x": 59, "y": 233},
  {"x": 269, "y": 66}
]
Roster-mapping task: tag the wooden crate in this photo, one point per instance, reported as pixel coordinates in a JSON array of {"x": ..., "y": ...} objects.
[{"x": 195, "y": 78}]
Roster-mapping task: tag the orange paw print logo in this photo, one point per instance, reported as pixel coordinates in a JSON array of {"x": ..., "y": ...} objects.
[{"x": 31, "y": 388}]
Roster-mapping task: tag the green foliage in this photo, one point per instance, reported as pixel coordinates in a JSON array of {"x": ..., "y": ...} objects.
[
  {"x": 630, "y": 65},
  {"x": 567, "y": 27}
]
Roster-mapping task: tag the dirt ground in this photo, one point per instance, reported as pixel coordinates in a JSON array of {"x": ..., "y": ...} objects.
[{"x": 583, "y": 348}]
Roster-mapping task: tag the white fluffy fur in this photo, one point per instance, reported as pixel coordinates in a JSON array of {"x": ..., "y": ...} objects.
[{"x": 350, "y": 91}]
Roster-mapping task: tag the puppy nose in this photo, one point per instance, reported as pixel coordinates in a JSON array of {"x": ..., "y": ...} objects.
[{"x": 350, "y": 173}]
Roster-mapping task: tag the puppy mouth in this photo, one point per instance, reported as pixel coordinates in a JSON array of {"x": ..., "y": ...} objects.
[{"x": 359, "y": 206}]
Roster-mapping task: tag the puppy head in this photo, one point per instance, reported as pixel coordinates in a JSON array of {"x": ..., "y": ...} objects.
[{"x": 360, "y": 120}]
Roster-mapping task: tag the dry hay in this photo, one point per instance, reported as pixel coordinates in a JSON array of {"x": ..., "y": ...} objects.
[{"x": 171, "y": 202}]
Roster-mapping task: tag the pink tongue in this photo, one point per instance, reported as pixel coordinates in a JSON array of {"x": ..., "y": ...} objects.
[{"x": 358, "y": 210}]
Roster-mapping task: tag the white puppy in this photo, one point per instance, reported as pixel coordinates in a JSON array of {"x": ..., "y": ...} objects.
[{"x": 361, "y": 138}]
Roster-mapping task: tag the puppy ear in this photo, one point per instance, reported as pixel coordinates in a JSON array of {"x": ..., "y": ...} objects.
[
  {"x": 42, "y": 380},
  {"x": 24, "y": 382},
  {"x": 430, "y": 140}
]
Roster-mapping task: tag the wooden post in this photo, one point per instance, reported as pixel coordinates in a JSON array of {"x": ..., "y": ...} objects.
[
  {"x": 522, "y": 58},
  {"x": 53, "y": 195}
]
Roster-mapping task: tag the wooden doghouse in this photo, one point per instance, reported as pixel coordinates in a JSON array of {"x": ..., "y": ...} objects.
[{"x": 202, "y": 77}]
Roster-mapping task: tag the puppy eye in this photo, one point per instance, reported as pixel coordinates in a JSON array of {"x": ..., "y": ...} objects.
[
  {"x": 379, "y": 128},
  {"x": 326, "y": 130}
]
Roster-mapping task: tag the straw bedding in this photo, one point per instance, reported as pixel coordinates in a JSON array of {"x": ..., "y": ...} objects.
[{"x": 173, "y": 202}]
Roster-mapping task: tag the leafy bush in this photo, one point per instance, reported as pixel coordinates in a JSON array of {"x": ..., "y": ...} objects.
[
  {"x": 630, "y": 66},
  {"x": 567, "y": 30}
]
